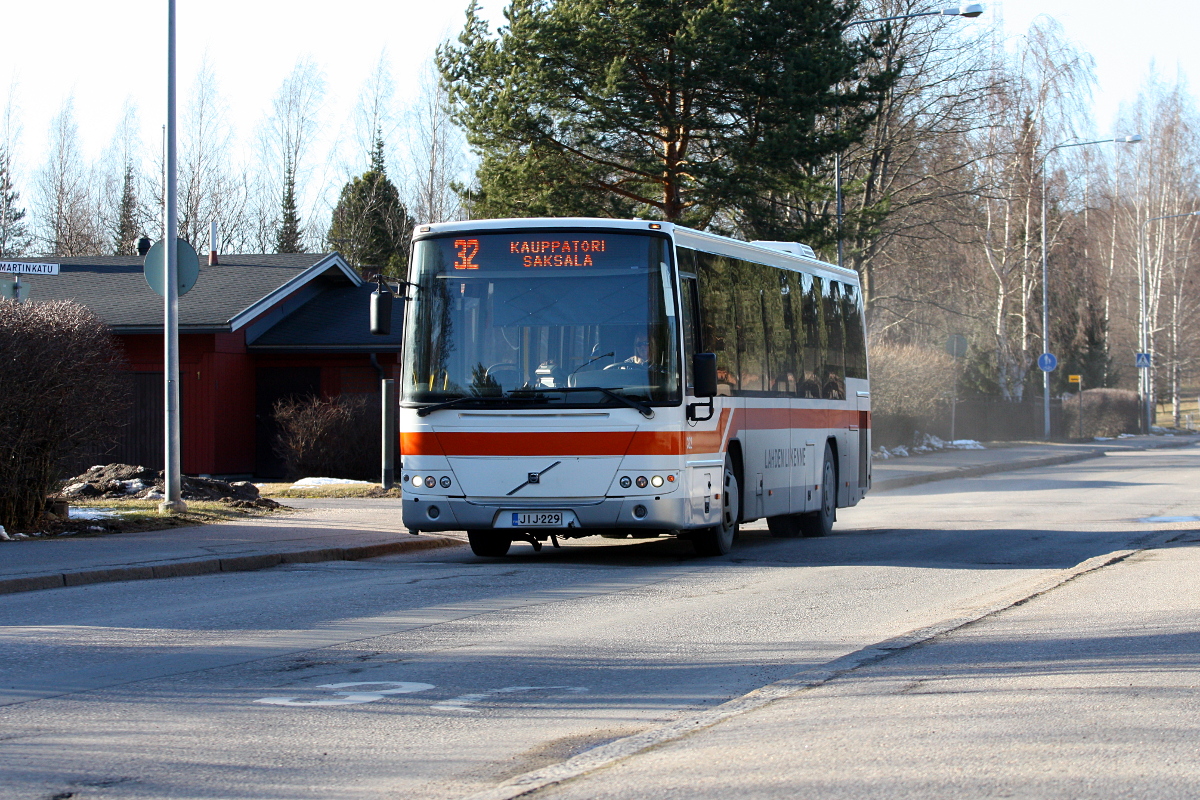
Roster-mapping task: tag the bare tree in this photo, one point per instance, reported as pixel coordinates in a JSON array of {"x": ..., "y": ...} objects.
[
  {"x": 14, "y": 229},
  {"x": 285, "y": 142},
  {"x": 67, "y": 200},
  {"x": 210, "y": 189},
  {"x": 437, "y": 152}
]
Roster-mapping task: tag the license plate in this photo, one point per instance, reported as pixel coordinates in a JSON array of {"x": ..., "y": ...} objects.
[{"x": 537, "y": 519}]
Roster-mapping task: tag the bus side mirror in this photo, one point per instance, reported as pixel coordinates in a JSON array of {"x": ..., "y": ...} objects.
[
  {"x": 381, "y": 309},
  {"x": 704, "y": 384},
  {"x": 704, "y": 374}
]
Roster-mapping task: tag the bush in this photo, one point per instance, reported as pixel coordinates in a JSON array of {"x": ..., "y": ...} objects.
[
  {"x": 1106, "y": 412},
  {"x": 910, "y": 386},
  {"x": 64, "y": 392},
  {"x": 337, "y": 438}
]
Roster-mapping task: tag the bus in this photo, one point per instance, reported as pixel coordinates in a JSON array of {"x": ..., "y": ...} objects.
[{"x": 630, "y": 379}]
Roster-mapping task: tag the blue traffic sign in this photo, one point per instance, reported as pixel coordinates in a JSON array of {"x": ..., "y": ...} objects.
[
  {"x": 1143, "y": 361},
  {"x": 1047, "y": 362}
]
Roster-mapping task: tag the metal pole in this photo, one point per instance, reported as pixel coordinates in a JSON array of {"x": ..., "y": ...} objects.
[
  {"x": 1045, "y": 314},
  {"x": 172, "y": 477},
  {"x": 837, "y": 186},
  {"x": 1143, "y": 374},
  {"x": 388, "y": 393}
]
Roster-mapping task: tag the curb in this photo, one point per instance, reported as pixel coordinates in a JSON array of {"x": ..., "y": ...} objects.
[
  {"x": 1011, "y": 466},
  {"x": 982, "y": 469},
  {"x": 209, "y": 566}
]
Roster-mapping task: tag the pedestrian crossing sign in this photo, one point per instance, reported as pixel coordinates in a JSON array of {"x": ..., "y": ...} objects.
[{"x": 1143, "y": 361}]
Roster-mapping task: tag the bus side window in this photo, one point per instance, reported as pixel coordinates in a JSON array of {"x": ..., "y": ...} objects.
[{"x": 691, "y": 327}]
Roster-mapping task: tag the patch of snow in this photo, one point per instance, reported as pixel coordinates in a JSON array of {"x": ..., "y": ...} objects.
[
  {"x": 68, "y": 533},
  {"x": 965, "y": 444},
  {"x": 1169, "y": 519},
  {"x": 303, "y": 482},
  {"x": 95, "y": 528},
  {"x": 4, "y": 537},
  {"x": 153, "y": 496},
  {"x": 1125, "y": 435},
  {"x": 91, "y": 513},
  {"x": 1102, "y": 438},
  {"x": 134, "y": 486},
  {"x": 20, "y": 536}
]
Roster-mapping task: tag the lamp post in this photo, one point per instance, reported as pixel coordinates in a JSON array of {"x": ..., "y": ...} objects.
[
  {"x": 970, "y": 10},
  {"x": 1145, "y": 386},
  {"x": 1134, "y": 139}
]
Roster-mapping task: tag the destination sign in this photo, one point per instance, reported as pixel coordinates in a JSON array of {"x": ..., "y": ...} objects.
[
  {"x": 533, "y": 251},
  {"x": 28, "y": 268}
]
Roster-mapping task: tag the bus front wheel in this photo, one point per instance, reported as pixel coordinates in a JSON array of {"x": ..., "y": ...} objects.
[
  {"x": 489, "y": 543},
  {"x": 718, "y": 540},
  {"x": 820, "y": 522}
]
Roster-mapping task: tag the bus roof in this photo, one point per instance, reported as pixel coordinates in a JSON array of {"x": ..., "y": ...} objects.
[{"x": 689, "y": 237}]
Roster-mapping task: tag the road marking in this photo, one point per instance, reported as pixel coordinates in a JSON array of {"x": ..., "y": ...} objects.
[
  {"x": 350, "y": 698},
  {"x": 462, "y": 702}
]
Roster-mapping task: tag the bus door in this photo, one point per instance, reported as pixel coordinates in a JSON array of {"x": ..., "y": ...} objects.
[{"x": 704, "y": 474}]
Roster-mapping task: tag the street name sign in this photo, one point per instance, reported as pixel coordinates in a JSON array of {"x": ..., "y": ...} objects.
[
  {"x": 1143, "y": 361},
  {"x": 28, "y": 268},
  {"x": 1047, "y": 362}
]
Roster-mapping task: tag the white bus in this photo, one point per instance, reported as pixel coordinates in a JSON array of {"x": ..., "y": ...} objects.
[{"x": 577, "y": 377}]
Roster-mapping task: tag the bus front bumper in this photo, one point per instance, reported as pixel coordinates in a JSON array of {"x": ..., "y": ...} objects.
[{"x": 592, "y": 516}]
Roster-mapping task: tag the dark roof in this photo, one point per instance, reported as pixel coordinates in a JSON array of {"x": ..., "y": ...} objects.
[
  {"x": 339, "y": 318},
  {"x": 115, "y": 289}
]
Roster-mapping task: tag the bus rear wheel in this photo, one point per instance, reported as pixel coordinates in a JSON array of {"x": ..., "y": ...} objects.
[
  {"x": 718, "y": 540},
  {"x": 489, "y": 543},
  {"x": 820, "y": 522}
]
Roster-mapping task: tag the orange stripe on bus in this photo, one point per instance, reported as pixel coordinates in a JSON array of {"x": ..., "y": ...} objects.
[{"x": 618, "y": 443}]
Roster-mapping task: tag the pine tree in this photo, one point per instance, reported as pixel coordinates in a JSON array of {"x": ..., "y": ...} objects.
[
  {"x": 371, "y": 226},
  {"x": 687, "y": 111},
  {"x": 288, "y": 238},
  {"x": 128, "y": 227},
  {"x": 14, "y": 234}
]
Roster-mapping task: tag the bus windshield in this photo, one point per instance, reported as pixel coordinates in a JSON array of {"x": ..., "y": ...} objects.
[{"x": 548, "y": 317}]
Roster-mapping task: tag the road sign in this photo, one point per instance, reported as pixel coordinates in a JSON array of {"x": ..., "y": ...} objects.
[
  {"x": 956, "y": 345},
  {"x": 11, "y": 290},
  {"x": 1047, "y": 362},
  {"x": 1074, "y": 379},
  {"x": 1143, "y": 361},
  {"x": 156, "y": 268},
  {"x": 28, "y": 268}
]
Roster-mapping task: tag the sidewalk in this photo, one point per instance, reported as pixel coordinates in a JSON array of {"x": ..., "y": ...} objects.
[{"x": 347, "y": 530}]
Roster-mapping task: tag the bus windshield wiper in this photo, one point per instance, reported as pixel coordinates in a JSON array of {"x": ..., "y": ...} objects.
[
  {"x": 471, "y": 399},
  {"x": 645, "y": 410}
]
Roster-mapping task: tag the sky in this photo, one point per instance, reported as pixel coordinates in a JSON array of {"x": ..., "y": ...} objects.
[{"x": 103, "y": 54}]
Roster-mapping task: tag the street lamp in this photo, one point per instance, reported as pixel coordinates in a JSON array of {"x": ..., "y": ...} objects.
[
  {"x": 1134, "y": 139},
  {"x": 970, "y": 10},
  {"x": 1145, "y": 385}
]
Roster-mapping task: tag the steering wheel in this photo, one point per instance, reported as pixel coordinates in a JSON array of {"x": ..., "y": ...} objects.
[{"x": 502, "y": 364}]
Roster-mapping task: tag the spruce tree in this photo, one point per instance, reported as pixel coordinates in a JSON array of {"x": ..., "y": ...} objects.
[
  {"x": 371, "y": 227},
  {"x": 128, "y": 228},
  {"x": 287, "y": 240},
  {"x": 14, "y": 233}
]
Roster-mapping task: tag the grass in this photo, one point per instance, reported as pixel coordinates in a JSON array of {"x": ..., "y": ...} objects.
[{"x": 335, "y": 490}]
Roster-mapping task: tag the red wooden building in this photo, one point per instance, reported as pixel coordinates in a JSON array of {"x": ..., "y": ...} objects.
[{"x": 255, "y": 329}]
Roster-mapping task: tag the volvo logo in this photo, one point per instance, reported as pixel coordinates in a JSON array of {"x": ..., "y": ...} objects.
[{"x": 533, "y": 477}]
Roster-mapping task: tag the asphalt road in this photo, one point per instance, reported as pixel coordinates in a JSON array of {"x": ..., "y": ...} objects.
[{"x": 441, "y": 675}]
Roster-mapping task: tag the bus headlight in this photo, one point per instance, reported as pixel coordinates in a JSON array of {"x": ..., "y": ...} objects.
[{"x": 656, "y": 481}]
